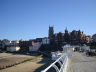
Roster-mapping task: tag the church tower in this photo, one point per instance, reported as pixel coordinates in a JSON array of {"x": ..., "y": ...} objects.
[
  {"x": 51, "y": 32},
  {"x": 66, "y": 36},
  {"x": 66, "y": 31}
]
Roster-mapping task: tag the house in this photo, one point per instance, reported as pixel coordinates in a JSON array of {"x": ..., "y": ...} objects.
[
  {"x": 94, "y": 38},
  {"x": 45, "y": 40},
  {"x": 38, "y": 40},
  {"x": 13, "y": 48},
  {"x": 6, "y": 42},
  {"x": 0, "y": 44},
  {"x": 14, "y": 42},
  {"x": 24, "y": 45},
  {"x": 35, "y": 46}
]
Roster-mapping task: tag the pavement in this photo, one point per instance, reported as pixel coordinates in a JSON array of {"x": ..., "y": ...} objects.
[{"x": 79, "y": 62}]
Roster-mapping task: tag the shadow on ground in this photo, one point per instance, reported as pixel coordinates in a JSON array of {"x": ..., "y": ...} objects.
[{"x": 46, "y": 61}]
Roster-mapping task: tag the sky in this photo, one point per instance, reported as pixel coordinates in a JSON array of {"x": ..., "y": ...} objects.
[{"x": 29, "y": 19}]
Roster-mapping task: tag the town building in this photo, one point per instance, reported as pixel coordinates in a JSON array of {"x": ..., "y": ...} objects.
[
  {"x": 94, "y": 38},
  {"x": 35, "y": 46},
  {"x": 1, "y": 45},
  {"x": 66, "y": 36},
  {"x": 6, "y": 42},
  {"x": 24, "y": 45},
  {"x": 74, "y": 37},
  {"x": 13, "y": 48},
  {"x": 14, "y": 42},
  {"x": 51, "y": 32},
  {"x": 45, "y": 40}
]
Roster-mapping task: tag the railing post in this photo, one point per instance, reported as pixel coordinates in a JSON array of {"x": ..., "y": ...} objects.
[{"x": 56, "y": 68}]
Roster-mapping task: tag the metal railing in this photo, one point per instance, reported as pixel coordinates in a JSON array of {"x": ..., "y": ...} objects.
[{"x": 60, "y": 65}]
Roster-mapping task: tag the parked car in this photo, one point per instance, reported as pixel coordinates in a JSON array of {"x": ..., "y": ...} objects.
[
  {"x": 74, "y": 49},
  {"x": 81, "y": 50},
  {"x": 91, "y": 53}
]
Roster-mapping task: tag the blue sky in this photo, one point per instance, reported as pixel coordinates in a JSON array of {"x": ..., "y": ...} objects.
[{"x": 28, "y": 19}]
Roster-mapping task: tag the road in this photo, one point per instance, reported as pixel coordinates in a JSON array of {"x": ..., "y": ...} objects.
[{"x": 79, "y": 62}]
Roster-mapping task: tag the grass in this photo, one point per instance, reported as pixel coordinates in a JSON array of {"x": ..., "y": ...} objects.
[
  {"x": 32, "y": 59},
  {"x": 27, "y": 60}
]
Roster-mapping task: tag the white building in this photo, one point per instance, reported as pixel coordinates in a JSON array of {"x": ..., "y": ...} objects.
[
  {"x": 14, "y": 42},
  {"x": 13, "y": 48},
  {"x": 45, "y": 40},
  {"x": 35, "y": 46},
  {"x": 10, "y": 42}
]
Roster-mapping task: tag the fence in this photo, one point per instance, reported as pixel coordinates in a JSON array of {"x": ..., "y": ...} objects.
[{"x": 60, "y": 65}]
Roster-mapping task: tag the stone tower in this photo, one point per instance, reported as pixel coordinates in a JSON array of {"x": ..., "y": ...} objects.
[
  {"x": 51, "y": 32},
  {"x": 66, "y": 36}
]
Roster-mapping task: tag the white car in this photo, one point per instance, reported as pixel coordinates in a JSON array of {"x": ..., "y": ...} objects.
[{"x": 74, "y": 49}]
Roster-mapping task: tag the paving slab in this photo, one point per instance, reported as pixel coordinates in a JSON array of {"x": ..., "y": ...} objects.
[{"x": 79, "y": 62}]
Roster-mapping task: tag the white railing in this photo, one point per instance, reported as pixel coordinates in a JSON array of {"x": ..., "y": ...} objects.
[
  {"x": 62, "y": 64},
  {"x": 56, "y": 55}
]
